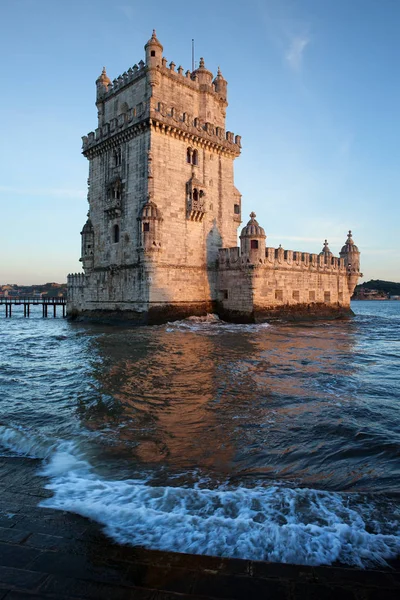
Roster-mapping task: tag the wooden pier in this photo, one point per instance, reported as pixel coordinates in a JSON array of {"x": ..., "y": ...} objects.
[{"x": 27, "y": 303}]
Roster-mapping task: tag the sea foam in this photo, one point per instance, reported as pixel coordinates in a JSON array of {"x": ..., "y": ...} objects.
[{"x": 301, "y": 526}]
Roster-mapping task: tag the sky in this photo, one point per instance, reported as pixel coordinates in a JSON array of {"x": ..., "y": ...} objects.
[{"x": 313, "y": 89}]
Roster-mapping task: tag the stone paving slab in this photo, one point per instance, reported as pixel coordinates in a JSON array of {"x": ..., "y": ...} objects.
[{"x": 53, "y": 554}]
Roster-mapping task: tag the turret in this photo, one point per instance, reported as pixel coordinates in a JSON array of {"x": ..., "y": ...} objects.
[
  {"x": 252, "y": 241},
  {"x": 87, "y": 246},
  {"x": 102, "y": 83},
  {"x": 150, "y": 228},
  {"x": 203, "y": 75},
  {"x": 221, "y": 85},
  {"x": 351, "y": 255},
  {"x": 154, "y": 52},
  {"x": 326, "y": 253}
]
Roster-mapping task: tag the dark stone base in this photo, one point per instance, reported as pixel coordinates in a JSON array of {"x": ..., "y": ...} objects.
[
  {"x": 156, "y": 315},
  {"x": 159, "y": 314},
  {"x": 298, "y": 312}
]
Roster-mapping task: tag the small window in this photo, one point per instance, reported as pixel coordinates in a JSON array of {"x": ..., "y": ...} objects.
[
  {"x": 146, "y": 226},
  {"x": 254, "y": 244},
  {"x": 153, "y": 53},
  {"x": 236, "y": 209},
  {"x": 327, "y": 296},
  {"x": 312, "y": 296},
  {"x": 225, "y": 293},
  {"x": 116, "y": 234},
  {"x": 195, "y": 194},
  {"x": 195, "y": 158},
  {"x": 278, "y": 294},
  {"x": 296, "y": 295},
  {"x": 189, "y": 155},
  {"x": 118, "y": 157}
]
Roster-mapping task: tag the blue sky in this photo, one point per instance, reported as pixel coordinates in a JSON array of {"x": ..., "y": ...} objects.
[{"x": 313, "y": 89}]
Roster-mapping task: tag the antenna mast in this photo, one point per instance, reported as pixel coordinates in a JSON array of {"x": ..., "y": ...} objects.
[{"x": 192, "y": 55}]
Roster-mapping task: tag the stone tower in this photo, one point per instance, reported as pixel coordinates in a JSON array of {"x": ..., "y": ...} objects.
[{"x": 161, "y": 194}]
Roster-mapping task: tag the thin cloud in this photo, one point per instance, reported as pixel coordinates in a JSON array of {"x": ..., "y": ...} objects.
[
  {"x": 53, "y": 192},
  {"x": 294, "y": 55}
]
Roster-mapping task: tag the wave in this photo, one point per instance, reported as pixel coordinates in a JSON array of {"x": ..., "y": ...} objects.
[
  {"x": 211, "y": 323},
  {"x": 19, "y": 442},
  {"x": 301, "y": 526}
]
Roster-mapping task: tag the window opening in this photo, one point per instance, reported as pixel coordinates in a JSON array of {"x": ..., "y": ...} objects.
[
  {"x": 236, "y": 209},
  {"x": 116, "y": 234},
  {"x": 254, "y": 244},
  {"x": 146, "y": 226}
]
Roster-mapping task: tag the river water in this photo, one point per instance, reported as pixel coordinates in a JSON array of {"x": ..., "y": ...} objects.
[{"x": 274, "y": 442}]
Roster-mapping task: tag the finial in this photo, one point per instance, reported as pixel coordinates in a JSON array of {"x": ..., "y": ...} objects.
[
  {"x": 349, "y": 238},
  {"x": 104, "y": 72},
  {"x": 253, "y": 215},
  {"x": 201, "y": 63},
  {"x": 326, "y": 249},
  {"x": 153, "y": 35}
]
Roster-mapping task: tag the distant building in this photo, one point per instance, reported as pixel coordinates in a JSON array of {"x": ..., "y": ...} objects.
[{"x": 160, "y": 241}]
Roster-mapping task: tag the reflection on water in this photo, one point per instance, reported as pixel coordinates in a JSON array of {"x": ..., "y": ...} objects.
[
  {"x": 253, "y": 416},
  {"x": 282, "y": 402}
]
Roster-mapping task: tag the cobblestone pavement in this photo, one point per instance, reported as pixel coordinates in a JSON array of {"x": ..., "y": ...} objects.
[{"x": 52, "y": 554}]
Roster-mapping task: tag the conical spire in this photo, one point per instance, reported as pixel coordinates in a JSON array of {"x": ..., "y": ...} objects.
[{"x": 153, "y": 41}]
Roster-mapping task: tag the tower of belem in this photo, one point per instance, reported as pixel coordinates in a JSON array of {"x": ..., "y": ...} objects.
[{"x": 161, "y": 235}]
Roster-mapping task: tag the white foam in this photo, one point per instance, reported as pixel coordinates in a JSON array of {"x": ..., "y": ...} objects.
[
  {"x": 212, "y": 324},
  {"x": 278, "y": 524},
  {"x": 21, "y": 443}
]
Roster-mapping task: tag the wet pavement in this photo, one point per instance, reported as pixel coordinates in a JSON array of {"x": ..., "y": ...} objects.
[{"x": 53, "y": 554}]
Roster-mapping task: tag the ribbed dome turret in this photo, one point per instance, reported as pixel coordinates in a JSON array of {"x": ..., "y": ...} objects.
[
  {"x": 220, "y": 85},
  {"x": 349, "y": 245},
  {"x": 252, "y": 228},
  {"x": 325, "y": 250},
  {"x": 103, "y": 78},
  {"x": 151, "y": 211},
  {"x": 88, "y": 227},
  {"x": 153, "y": 41},
  {"x": 204, "y": 76}
]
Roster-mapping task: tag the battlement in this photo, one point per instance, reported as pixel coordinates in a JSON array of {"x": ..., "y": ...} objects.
[
  {"x": 162, "y": 116},
  {"x": 195, "y": 126},
  {"x": 133, "y": 74},
  {"x": 122, "y": 122},
  {"x": 278, "y": 258},
  {"x": 75, "y": 280}
]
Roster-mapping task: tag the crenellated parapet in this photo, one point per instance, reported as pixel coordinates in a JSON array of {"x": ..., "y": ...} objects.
[
  {"x": 278, "y": 258},
  {"x": 119, "y": 129},
  {"x": 167, "y": 120},
  {"x": 75, "y": 280},
  {"x": 170, "y": 119}
]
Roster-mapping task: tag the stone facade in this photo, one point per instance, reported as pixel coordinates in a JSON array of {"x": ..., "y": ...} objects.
[{"x": 160, "y": 238}]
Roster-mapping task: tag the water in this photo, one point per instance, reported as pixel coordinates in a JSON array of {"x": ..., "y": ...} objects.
[{"x": 274, "y": 442}]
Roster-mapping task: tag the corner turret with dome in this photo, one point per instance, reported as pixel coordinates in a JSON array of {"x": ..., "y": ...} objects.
[
  {"x": 161, "y": 239},
  {"x": 252, "y": 240}
]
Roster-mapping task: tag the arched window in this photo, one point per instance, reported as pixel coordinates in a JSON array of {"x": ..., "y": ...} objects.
[
  {"x": 146, "y": 226},
  {"x": 189, "y": 155},
  {"x": 195, "y": 158},
  {"x": 195, "y": 194},
  {"x": 116, "y": 234}
]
